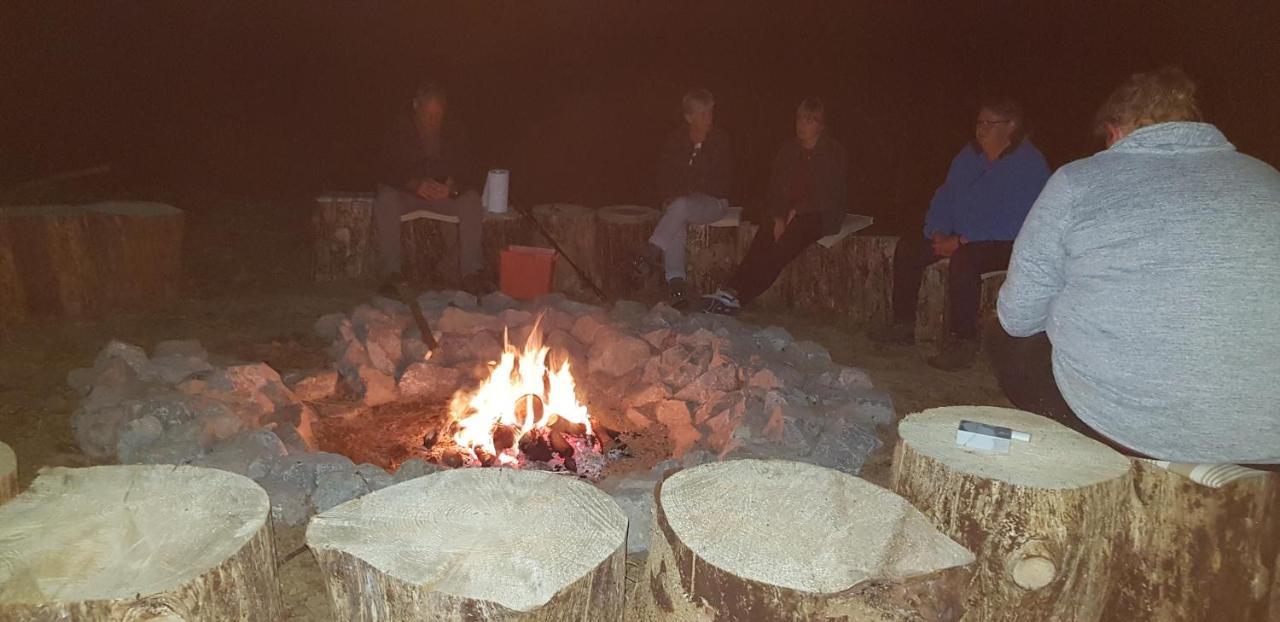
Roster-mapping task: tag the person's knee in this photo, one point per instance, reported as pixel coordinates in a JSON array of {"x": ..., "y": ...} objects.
[{"x": 678, "y": 208}]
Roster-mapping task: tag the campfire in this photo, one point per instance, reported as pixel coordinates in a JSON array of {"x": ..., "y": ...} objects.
[{"x": 525, "y": 414}]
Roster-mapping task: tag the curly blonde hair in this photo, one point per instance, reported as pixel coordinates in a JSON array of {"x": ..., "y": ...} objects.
[{"x": 1160, "y": 96}]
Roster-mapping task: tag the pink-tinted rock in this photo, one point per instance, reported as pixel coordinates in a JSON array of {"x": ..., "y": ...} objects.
[
  {"x": 423, "y": 380},
  {"x": 617, "y": 354},
  {"x": 638, "y": 419},
  {"x": 674, "y": 414},
  {"x": 585, "y": 329},
  {"x": 649, "y": 394},
  {"x": 455, "y": 320},
  {"x": 660, "y": 339},
  {"x": 710, "y": 385},
  {"x": 320, "y": 385}
]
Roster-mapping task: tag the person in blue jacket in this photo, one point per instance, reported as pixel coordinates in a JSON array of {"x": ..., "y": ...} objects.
[{"x": 973, "y": 219}]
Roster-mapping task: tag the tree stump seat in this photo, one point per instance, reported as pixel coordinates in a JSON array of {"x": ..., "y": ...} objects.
[{"x": 932, "y": 323}]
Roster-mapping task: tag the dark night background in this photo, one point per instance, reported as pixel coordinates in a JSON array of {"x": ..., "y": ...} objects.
[{"x": 287, "y": 99}]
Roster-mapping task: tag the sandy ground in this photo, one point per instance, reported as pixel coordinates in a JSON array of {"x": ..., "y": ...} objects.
[{"x": 248, "y": 296}]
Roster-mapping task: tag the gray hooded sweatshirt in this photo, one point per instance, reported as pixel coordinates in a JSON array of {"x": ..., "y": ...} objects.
[{"x": 1154, "y": 267}]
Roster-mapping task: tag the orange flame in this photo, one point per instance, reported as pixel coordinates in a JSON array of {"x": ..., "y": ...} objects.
[{"x": 517, "y": 374}]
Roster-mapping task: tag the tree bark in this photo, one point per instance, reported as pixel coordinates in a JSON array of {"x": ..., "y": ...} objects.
[
  {"x": 475, "y": 545},
  {"x": 343, "y": 230},
  {"x": 501, "y": 231},
  {"x": 138, "y": 542},
  {"x": 764, "y": 540},
  {"x": 932, "y": 323},
  {"x": 8, "y": 473},
  {"x": 1041, "y": 519},
  {"x": 711, "y": 255},
  {"x": 574, "y": 229},
  {"x": 429, "y": 252},
  {"x": 52, "y": 250},
  {"x": 1192, "y": 552},
  {"x": 13, "y": 296},
  {"x": 622, "y": 233},
  {"x": 137, "y": 248}
]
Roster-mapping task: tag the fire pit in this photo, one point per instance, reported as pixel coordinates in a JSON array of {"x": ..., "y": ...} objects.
[{"x": 525, "y": 414}]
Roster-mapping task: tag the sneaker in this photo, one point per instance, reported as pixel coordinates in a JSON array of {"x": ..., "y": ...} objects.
[
  {"x": 723, "y": 302},
  {"x": 898, "y": 333},
  {"x": 958, "y": 353},
  {"x": 678, "y": 293}
]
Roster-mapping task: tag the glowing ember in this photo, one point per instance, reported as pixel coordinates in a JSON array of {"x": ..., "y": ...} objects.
[{"x": 520, "y": 396}]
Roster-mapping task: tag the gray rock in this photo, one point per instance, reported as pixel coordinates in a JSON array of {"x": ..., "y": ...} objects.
[
  {"x": 617, "y": 354},
  {"x": 136, "y": 436},
  {"x": 710, "y": 385},
  {"x": 180, "y": 445},
  {"x": 496, "y": 302},
  {"x": 133, "y": 356},
  {"x": 364, "y": 316},
  {"x": 843, "y": 379},
  {"x": 301, "y": 471},
  {"x": 843, "y": 446},
  {"x": 627, "y": 312},
  {"x": 456, "y": 320},
  {"x": 514, "y": 317},
  {"x": 180, "y": 347},
  {"x": 390, "y": 306},
  {"x": 425, "y": 380},
  {"x": 96, "y": 431},
  {"x": 460, "y": 299},
  {"x": 249, "y": 453},
  {"x": 807, "y": 355},
  {"x": 289, "y": 506},
  {"x": 321, "y": 385},
  {"x": 220, "y": 426},
  {"x": 383, "y": 347},
  {"x": 174, "y": 368},
  {"x": 327, "y": 326},
  {"x": 374, "y": 476},
  {"x": 337, "y": 487},
  {"x": 415, "y": 468},
  {"x": 173, "y": 408},
  {"x": 648, "y": 394},
  {"x": 577, "y": 309},
  {"x": 350, "y": 357},
  {"x": 245, "y": 379},
  {"x": 634, "y": 494},
  {"x": 585, "y": 329},
  {"x": 412, "y": 349},
  {"x": 113, "y": 383},
  {"x": 662, "y": 315},
  {"x": 295, "y": 425},
  {"x": 376, "y": 388},
  {"x": 775, "y": 338}
]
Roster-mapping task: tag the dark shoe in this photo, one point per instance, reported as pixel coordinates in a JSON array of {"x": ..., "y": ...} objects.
[
  {"x": 723, "y": 302},
  {"x": 958, "y": 353},
  {"x": 898, "y": 333},
  {"x": 678, "y": 293}
]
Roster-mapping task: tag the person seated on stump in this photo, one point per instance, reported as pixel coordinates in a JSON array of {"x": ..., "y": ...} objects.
[
  {"x": 1142, "y": 304},
  {"x": 428, "y": 168},
  {"x": 807, "y": 200},
  {"x": 694, "y": 173},
  {"x": 972, "y": 219}
]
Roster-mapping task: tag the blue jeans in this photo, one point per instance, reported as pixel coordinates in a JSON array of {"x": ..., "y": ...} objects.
[{"x": 673, "y": 229}]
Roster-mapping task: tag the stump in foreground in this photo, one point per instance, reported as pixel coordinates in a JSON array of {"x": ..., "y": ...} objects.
[
  {"x": 138, "y": 543},
  {"x": 1224, "y": 541},
  {"x": 343, "y": 236},
  {"x": 622, "y": 233},
  {"x": 475, "y": 544},
  {"x": 1041, "y": 519},
  {"x": 764, "y": 540},
  {"x": 8, "y": 473}
]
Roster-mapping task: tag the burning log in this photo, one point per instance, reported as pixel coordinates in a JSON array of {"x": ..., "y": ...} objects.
[
  {"x": 148, "y": 543},
  {"x": 765, "y": 551},
  {"x": 402, "y": 554},
  {"x": 1041, "y": 519},
  {"x": 8, "y": 473}
]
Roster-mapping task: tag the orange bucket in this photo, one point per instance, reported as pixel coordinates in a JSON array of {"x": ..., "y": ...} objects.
[{"x": 525, "y": 272}]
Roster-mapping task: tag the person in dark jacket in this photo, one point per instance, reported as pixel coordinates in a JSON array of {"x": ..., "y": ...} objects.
[
  {"x": 427, "y": 167},
  {"x": 694, "y": 173},
  {"x": 973, "y": 219},
  {"x": 808, "y": 190}
]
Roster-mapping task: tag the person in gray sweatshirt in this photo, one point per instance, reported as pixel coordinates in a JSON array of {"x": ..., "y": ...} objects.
[{"x": 1142, "y": 303}]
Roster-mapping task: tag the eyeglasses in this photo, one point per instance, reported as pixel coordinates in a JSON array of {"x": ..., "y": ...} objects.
[{"x": 982, "y": 123}]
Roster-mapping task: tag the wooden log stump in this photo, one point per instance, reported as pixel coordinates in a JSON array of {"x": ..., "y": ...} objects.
[
  {"x": 932, "y": 323},
  {"x": 8, "y": 473},
  {"x": 1041, "y": 519},
  {"x": 712, "y": 253},
  {"x": 52, "y": 250},
  {"x": 475, "y": 544},
  {"x": 622, "y": 233},
  {"x": 13, "y": 295},
  {"x": 138, "y": 542},
  {"x": 137, "y": 247},
  {"x": 1194, "y": 552},
  {"x": 343, "y": 237},
  {"x": 429, "y": 252},
  {"x": 763, "y": 540},
  {"x": 574, "y": 228},
  {"x": 501, "y": 231}
]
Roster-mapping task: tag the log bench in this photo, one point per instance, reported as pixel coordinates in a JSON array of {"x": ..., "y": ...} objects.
[
  {"x": 1065, "y": 528},
  {"x": 8, "y": 473},
  {"x": 77, "y": 261},
  {"x": 138, "y": 542}
]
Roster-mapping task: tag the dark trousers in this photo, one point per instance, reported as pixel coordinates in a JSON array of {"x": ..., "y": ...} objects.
[
  {"x": 1024, "y": 369},
  {"x": 767, "y": 257},
  {"x": 964, "y": 280}
]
